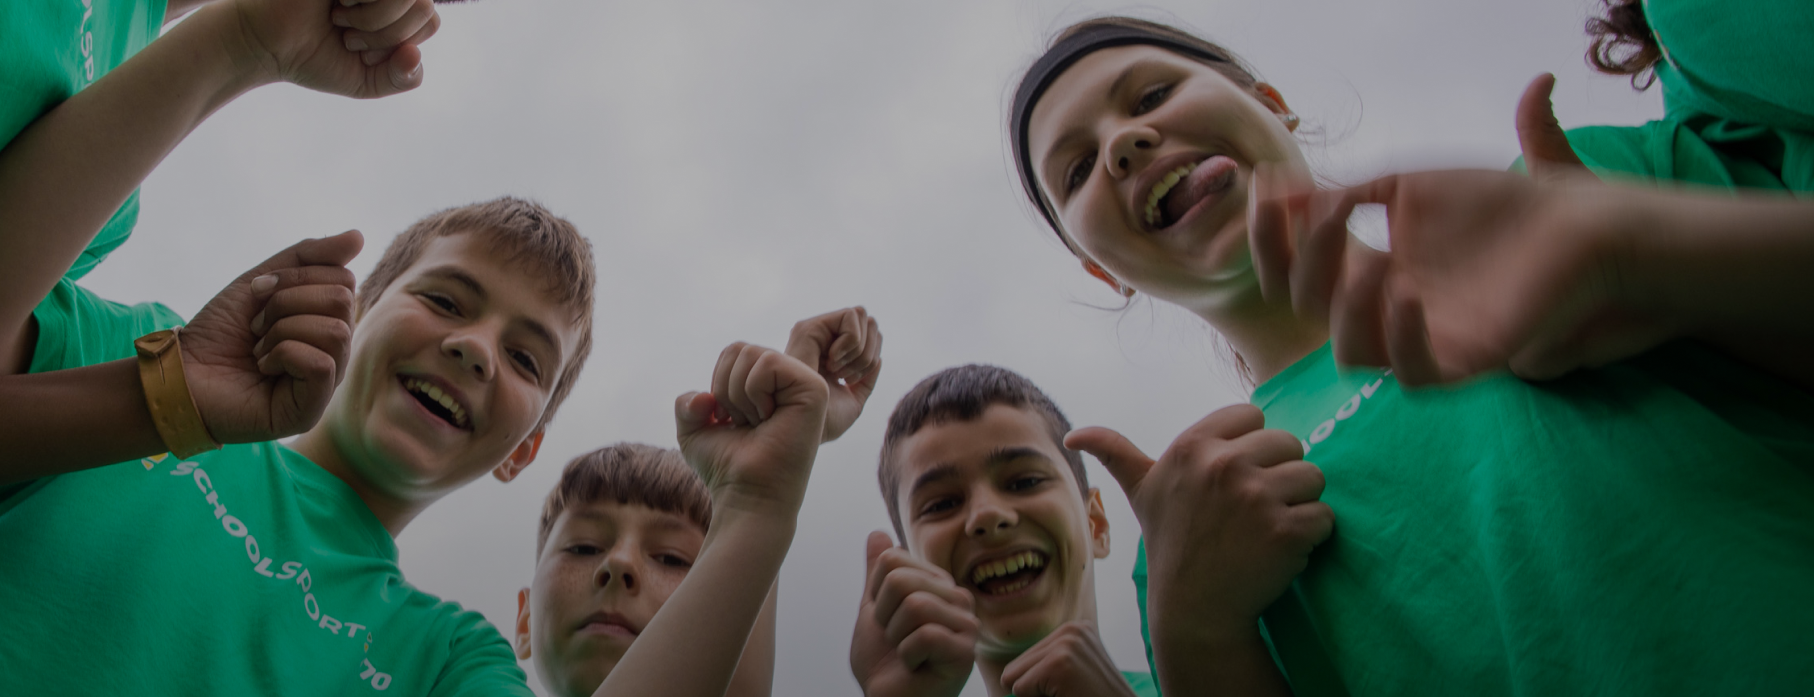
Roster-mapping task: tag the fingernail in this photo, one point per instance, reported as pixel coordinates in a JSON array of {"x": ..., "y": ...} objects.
[
  {"x": 354, "y": 43},
  {"x": 340, "y": 20},
  {"x": 264, "y": 284},
  {"x": 258, "y": 323}
]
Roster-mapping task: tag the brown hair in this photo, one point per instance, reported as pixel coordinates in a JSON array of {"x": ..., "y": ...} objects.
[
  {"x": 521, "y": 232},
  {"x": 628, "y": 473},
  {"x": 963, "y": 394},
  {"x": 1230, "y": 65},
  {"x": 1623, "y": 43}
]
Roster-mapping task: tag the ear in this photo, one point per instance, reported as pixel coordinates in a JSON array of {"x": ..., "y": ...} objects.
[
  {"x": 1101, "y": 274},
  {"x": 1099, "y": 525},
  {"x": 519, "y": 458},
  {"x": 1275, "y": 102},
  {"x": 522, "y": 624}
]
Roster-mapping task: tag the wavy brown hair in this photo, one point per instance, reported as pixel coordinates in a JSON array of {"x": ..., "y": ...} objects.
[{"x": 1623, "y": 43}]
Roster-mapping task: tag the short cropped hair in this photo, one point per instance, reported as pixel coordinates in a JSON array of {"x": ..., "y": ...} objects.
[
  {"x": 520, "y": 232},
  {"x": 628, "y": 473},
  {"x": 963, "y": 394}
]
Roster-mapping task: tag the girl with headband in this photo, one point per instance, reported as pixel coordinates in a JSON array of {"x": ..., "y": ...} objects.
[{"x": 1641, "y": 528}]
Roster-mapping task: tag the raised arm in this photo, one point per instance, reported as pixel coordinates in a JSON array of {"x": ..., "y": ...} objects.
[
  {"x": 65, "y": 175},
  {"x": 753, "y": 439}
]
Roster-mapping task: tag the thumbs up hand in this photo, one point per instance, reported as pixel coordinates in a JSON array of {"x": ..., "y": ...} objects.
[{"x": 1230, "y": 513}]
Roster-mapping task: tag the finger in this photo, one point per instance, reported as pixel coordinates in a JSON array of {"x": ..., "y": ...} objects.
[
  {"x": 873, "y": 548},
  {"x": 736, "y": 396},
  {"x": 336, "y": 250},
  {"x": 1319, "y": 260},
  {"x": 1545, "y": 145},
  {"x": 808, "y": 339},
  {"x": 327, "y": 334},
  {"x": 921, "y": 609},
  {"x": 764, "y": 382},
  {"x": 1268, "y": 236},
  {"x": 1407, "y": 341},
  {"x": 693, "y": 412},
  {"x": 1295, "y": 482},
  {"x": 847, "y": 344},
  {"x": 1118, "y": 455},
  {"x": 390, "y": 36},
  {"x": 312, "y": 376},
  {"x": 402, "y": 72},
  {"x": 1267, "y": 447},
  {"x": 906, "y": 580},
  {"x": 325, "y": 300},
  {"x": 1313, "y": 521},
  {"x": 1227, "y": 423},
  {"x": 373, "y": 16},
  {"x": 936, "y": 644},
  {"x": 1357, "y": 314},
  {"x": 721, "y": 377}
]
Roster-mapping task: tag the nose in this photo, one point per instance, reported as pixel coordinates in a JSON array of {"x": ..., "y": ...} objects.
[
  {"x": 988, "y": 516},
  {"x": 1129, "y": 149},
  {"x": 473, "y": 346},
  {"x": 619, "y": 566}
]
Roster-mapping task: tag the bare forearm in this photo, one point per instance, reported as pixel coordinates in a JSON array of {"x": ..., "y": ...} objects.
[
  {"x": 694, "y": 643},
  {"x": 755, "y": 675},
  {"x": 70, "y": 420},
  {"x": 64, "y": 176}
]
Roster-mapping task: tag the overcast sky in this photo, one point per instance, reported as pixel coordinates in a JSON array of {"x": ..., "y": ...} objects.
[{"x": 742, "y": 165}]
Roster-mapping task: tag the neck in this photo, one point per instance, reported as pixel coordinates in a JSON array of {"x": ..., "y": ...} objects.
[
  {"x": 1269, "y": 336},
  {"x": 991, "y": 665},
  {"x": 319, "y": 446}
]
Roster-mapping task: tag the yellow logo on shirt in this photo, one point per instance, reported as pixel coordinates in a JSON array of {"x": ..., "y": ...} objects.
[{"x": 150, "y": 462}]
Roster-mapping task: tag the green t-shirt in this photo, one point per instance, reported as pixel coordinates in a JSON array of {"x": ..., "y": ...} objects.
[
  {"x": 244, "y": 571},
  {"x": 51, "y": 49},
  {"x": 1639, "y": 529}
]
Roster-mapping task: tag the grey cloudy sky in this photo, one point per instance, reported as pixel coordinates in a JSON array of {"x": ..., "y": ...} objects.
[{"x": 742, "y": 165}]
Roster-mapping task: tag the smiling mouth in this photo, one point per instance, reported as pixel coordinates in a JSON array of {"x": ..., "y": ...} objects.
[
  {"x": 438, "y": 402},
  {"x": 1010, "y": 574},
  {"x": 1184, "y": 187}
]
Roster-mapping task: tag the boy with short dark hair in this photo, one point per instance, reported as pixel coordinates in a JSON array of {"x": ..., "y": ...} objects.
[
  {"x": 621, "y": 530},
  {"x": 999, "y": 531},
  {"x": 270, "y": 569}
]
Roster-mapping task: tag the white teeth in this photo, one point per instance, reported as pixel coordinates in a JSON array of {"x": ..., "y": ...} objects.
[
  {"x": 1163, "y": 187},
  {"x": 1009, "y": 565},
  {"x": 445, "y": 400}
]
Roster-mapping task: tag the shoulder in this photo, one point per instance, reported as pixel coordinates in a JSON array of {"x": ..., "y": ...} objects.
[{"x": 479, "y": 660}]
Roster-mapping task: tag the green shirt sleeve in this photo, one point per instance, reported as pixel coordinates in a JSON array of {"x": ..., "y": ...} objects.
[
  {"x": 481, "y": 663},
  {"x": 78, "y": 328}
]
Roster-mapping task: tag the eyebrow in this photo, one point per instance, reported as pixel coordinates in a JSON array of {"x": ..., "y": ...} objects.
[
  {"x": 995, "y": 458},
  {"x": 459, "y": 275}
]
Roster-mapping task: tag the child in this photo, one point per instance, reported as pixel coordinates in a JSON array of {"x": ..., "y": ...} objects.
[
  {"x": 271, "y": 569},
  {"x": 1000, "y": 530},
  {"x": 626, "y": 522},
  {"x": 64, "y": 178}
]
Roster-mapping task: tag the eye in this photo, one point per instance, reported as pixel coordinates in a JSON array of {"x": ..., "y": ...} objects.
[
  {"x": 525, "y": 359},
  {"x": 584, "y": 550},
  {"x": 938, "y": 505},
  {"x": 1025, "y": 483},
  {"x": 446, "y": 304},
  {"x": 673, "y": 561},
  {"x": 1079, "y": 173},
  {"x": 1152, "y": 98}
]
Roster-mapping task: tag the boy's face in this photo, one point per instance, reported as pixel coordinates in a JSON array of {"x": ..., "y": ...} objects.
[
  {"x": 451, "y": 369},
  {"x": 993, "y": 502},
  {"x": 606, "y": 569}
]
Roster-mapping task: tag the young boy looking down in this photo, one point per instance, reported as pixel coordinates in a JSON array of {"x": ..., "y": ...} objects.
[
  {"x": 263, "y": 568},
  {"x": 1000, "y": 532},
  {"x": 625, "y": 524}
]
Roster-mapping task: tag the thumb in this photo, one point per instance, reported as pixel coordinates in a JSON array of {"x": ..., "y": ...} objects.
[
  {"x": 334, "y": 250},
  {"x": 1118, "y": 454},
  {"x": 693, "y": 412},
  {"x": 404, "y": 69},
  {"x": 878, "y": 543},
  {"x": 1546, "y": 149}
]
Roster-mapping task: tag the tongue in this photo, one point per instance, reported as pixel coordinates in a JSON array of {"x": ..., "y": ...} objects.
[{"x": 1212, "y": 177}]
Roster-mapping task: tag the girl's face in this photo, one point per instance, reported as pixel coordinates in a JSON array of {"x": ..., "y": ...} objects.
[{"x": 1147, "y": 156}]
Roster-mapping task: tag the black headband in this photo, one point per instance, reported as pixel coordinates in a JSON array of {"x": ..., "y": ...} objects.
[{"x": 1055, "y": 61}]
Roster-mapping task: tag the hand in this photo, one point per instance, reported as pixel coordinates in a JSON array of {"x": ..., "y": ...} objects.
[
  {"x": 846, "y": 348},
  {"x": 916, "y": 629},
  {"x": 1230, "y": 515},
  {"x": 754, "y": 436},
  {"x": 355, "y": 48},
  {"x": 1069, "y": 661},
  {"x": 263, "y": 357},
  {"x": 1487, "y": 270}
]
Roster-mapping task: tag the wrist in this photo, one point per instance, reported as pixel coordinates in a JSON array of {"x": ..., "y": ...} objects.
[{"x": 226, "y": 34}]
